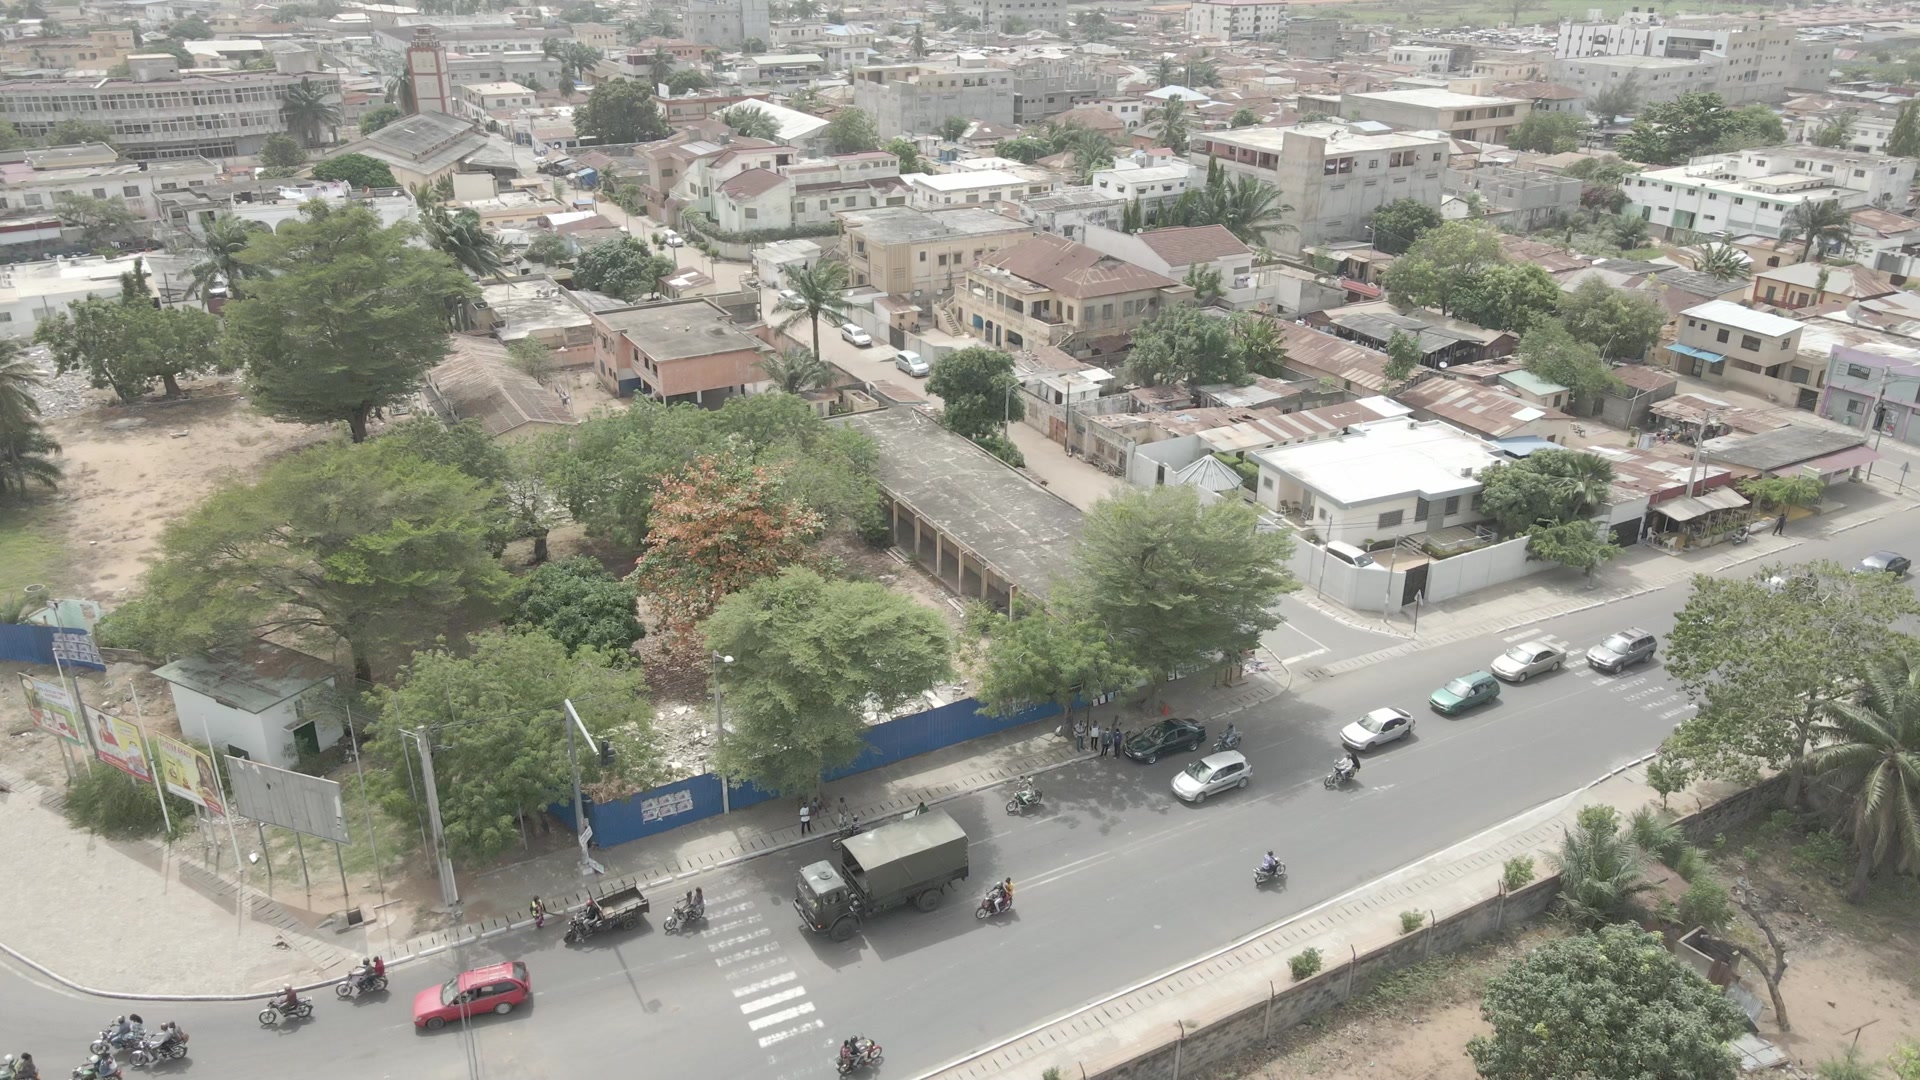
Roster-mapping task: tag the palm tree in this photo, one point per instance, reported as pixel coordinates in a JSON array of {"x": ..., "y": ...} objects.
[
  {"x": 1171, "y": 115},
  {"x": 1092, "y": 152},
  {"x": 1723, "y": 261},
  {"x": 659, "y": 65},
  {"x": 400, "y": 91},
  {"x": 1601, "y": 871},
  {"x": 219, "y": 259},
  {"x": 1163, "y": 71},
  {"x": 1249, "y": 209},
  {"x": 464, "y": 240},
  {"x": 796, "y": 370},
  {"x": 1584, "y": 482},
  {"x": 1629, "y": 232},
  {"x": 919, "y": 42},
  {"x": 1824, "y": 223},
  {"x": 820, "y": 288},
  {"x": 751, "y": 121},
  {"x": 1871, "y": 750},
  {"x": 308, "y": 112},
  {"x": 25, "y": 449}
]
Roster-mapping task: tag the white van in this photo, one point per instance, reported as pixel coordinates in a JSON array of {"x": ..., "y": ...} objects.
[{"x": 1348, "y": 554}]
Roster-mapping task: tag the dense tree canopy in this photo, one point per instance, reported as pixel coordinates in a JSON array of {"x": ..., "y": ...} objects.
[
  {"x": 620, "y": 110},
  {"x": 357, "y": 169},
  {"x": 579, "y": 604},
  {"x": 1397, "y": 225},
  {"x": 1442, "y": 264},
  {"x": 1695, "y": 123}
]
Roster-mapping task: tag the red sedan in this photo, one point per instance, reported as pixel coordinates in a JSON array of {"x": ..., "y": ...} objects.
[{"x": 494, "y": 988}]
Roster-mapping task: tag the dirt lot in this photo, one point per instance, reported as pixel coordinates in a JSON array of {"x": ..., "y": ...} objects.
[{"x": 1850, "y": 970}]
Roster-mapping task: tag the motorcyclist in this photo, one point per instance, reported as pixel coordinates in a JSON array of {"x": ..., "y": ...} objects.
[
  {"x": 288, "y": 1001},
  {"x": 105, "y": 1068},
  {"x": 24, "y": 1068},
  {"x": 1348, "y": 766},
  {"x": 698, "y": 910},
  {"x": 1026, "y": 794},
  {"x": 1230, "y": 737},
  {"x": 1269, "y": 865},
  {"x": 848, "y": 1053}
]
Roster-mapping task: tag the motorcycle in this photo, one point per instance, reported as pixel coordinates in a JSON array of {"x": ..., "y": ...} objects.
[
  {"x": 359, "y": 982},
  {"x": 276, "y": 1011},
  {"x": 682, "y": 918},
  {"x": 988, "y": 909},
  {"x": 109, "y": 1042},
  {"x": 1023, "y": 800},
  {"x": 846, "y": 832},
  {"x": 867, "y": 1053},
  {"x": 1228, "y": 740},
  {"x": 1336, "y": 778},
  {"x": 1262, "y": 875},
  {"x": 86, "y": 1071},
  {"x": 160, "y": 1048}
]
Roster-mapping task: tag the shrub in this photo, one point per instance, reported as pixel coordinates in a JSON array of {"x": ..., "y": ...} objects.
[
  {"x": 1655, "y": 833},
  {"x": 1667, "y": 777},
  {"x": 1847, "y": 1067},
  {"x": 1821, "y": 851},
  {"x": 1411, "y": 921},
  {"x": 1690, "y": 865},
  {"x": 1517, "y": 872},
  {"x": 109, "y": 802},
  {"x": 1052, "y": 1073},
  {"x": 1707, "y": 904},
  {"x": 1304, "y": 964}
]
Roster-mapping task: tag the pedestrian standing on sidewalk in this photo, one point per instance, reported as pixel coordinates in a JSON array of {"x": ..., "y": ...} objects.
[
  {"x": 539, "y": 911},
  {"x": 1099, "y": 740},
  {"x": 1780, "y": 523},
  {"x": 1079, "y": 734},
  {"x": 806, "y": 818},
  {"x": 1118, "y": 739}
]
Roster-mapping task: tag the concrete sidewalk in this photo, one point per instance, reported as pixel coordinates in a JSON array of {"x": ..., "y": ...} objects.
[
  {"x": 1640, "y": 569},
  {"x": 1119, "y": 1028}
]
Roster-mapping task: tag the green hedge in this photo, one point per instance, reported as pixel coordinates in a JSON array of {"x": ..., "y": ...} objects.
[{"x": 698, "y": 223}]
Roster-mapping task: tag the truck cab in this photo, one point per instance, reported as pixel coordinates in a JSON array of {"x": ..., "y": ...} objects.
[{"x": 823, "y": 898}]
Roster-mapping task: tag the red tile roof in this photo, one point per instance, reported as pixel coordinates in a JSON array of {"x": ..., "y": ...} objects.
[
  {"x": 1074, "y": 269},
  {"x": 1186, "y": 245},
  {"x": 753, "y": 182}
]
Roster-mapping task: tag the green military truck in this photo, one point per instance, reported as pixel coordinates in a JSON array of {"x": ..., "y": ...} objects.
[{"x": 915, "y": 859}]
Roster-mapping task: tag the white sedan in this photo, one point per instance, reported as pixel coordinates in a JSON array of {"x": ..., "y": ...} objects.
[
  {"x": 852, "y": 334},
  {"x": 1377, "y": 728},
  {"x": 1522, "y": 662}
]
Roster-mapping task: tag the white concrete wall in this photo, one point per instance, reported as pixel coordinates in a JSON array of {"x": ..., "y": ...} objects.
[{"x": 1488, "y": 566}]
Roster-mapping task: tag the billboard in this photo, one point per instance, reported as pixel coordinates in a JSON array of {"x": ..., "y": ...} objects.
[
  {"x": 119, "y": 744},
  {"x": 188, "y": 773},
  {"x": 291, "y": 800},
  {"x": 51, "y": 707}
]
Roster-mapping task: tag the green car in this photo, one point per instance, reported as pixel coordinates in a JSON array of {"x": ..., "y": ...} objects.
[{"x": 1464, "y": 693}]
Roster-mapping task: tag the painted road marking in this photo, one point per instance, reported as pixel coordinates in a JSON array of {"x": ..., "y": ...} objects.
[
  {"x": 800, "y": 1029},
  {"x": 782, "y": 1016},
  {"x": 746, "y": 954},
  {"x": 771, "y": 1000},
  {"x": 743, "y": 938},
  {"x": 766, "y": 984},
  {"x": 1292, "y": 660}
]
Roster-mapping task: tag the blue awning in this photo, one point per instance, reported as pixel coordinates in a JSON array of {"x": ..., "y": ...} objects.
[{"x": 1698, "y": 354}]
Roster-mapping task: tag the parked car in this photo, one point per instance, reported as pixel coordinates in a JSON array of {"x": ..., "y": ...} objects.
[
  {"x": 790, "y": 299},
  {"x": 1465, "y": 692},
  {"x": 496, "y": 988},
  {"x": 911, "y": 363},
  {"x": 670, "y": 238},
  {"x": 851, "y": 333},
  {"x": 1211, "y": 774},
  {"x": 1348, "y": 554},
  {"x": 1884, "y": 562},
  {"x": 1523, "y": 662},
  {"x": 1620, "y": 649},
  {"x": 1377, "y": 728},
  {"x": 1166, "y": 737}
]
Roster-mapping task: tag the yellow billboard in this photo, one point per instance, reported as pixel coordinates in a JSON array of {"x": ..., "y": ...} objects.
[
  {"x": 188, "y": 773},
  {"x": 51, "y": 708},
  {"x": 119, "y": 744}
]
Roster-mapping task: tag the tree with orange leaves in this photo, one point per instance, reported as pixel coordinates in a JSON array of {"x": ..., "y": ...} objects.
[{"x": 716, "y": 527}]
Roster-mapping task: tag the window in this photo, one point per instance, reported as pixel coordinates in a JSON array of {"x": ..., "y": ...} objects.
[
  {"x": 1749, "y": 342},
  {"x": 1797, "y": 375},
  {"x": 923, "y": 258},
  {"x": 752, "y": 213},
  {"x": 1858, "y": 371},
  {"x": 1391, "y": 518},
  {"x": 1453, "y": 504},
  {"x": 1720, "y": 337},
  {"x": 1421, "y": 508}
]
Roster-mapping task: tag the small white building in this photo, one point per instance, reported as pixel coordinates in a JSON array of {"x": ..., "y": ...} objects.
[
  {"x": 252, "y": 702},
  {"x": 1384, "y": 479},
  {"x": 938, "y": 191}
]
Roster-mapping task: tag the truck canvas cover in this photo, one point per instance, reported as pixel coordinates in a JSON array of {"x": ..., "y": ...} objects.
[{"x": 924, "y": 847}]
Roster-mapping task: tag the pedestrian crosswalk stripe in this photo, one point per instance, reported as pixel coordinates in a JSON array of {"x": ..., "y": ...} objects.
[
  {"x": 766, "y": 984},
  {"x": 782, "y": 1016},
  {"x": 771, "y": 1000}
]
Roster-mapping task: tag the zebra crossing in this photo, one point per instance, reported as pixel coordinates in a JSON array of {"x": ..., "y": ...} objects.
[{"x": 763, "y": 981}]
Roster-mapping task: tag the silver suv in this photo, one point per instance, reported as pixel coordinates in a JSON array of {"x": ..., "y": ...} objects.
[{"x": 1621, "y": 648}]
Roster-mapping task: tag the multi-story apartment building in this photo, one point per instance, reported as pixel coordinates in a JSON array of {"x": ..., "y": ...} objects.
[
  {"x": 95, "y": 50},
  {"x": 472, "y": 40},
  {"x": 1874, "y": 391},
  {"x": 1722, "y": 342},
  {"x": 1049, "y": 15},
  {"x": 808, "y": 192},
  {"x": 529, "y": 69},
  {"x": 1757, "y": 60},
  {"x": 923, "y": 254},
  {"x": 1425, "y": 59},
  {"x": 680, "y": 351},
  {"x": 1333, "y": 176},
  {"x": 984, "y": 187},
  {"x": 915, "y": 98},
  {"x": 160, "y": 113},
  {"x": 1520, "y": 64},
  {"x": 1048, "y": 290},
  {"x": 728, "y": 23},
  {"x": 1045, "y": 87},
  {"x": 32, "y": 181},
  {"x": 1149, "y": 185},
  {"x": 1464, "y": 116},
  {"x": 779, "y": 71},
  {"x": 1866, "y": 134},
  {"x": 1655, "y": 79},
  {"x": 1751, "y": 193},
  {"x": 479, "y": 101},
  {"x": 1224, "y": 20}
]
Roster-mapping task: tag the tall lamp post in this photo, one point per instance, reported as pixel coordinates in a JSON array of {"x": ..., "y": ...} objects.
[
  {"x": 720, "y": 733},
  {"x": 605, "y": 753}
]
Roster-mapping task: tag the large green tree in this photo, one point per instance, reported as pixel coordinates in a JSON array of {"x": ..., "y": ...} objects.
[
  {"x": 751, "y": 121},
  {"x": 810, "y": 657},
  {"x": 620, "y": 110},
  {"x": 217, "y": 256},
  {"x": 1035, "y": 657},
  {"x": 310, "y": 110},
  {"x": 1184, "y": 345},
  {"x": 100, "y": 221},
  {"x": 1763, "y": 657},
  {"x": 499, "y": 732},
  {"x": 1612, "y": 1003},
  {"x": 1904, "y": 139},
  {"x": 1695, "y": 123},
  {"x": 1507, "y": 296},
  {"x": 1548, "y": 349},
  {"x": 1396, "y": 226},
  {"x": 365, "y": 544},
  {"x": 822, "y": 289},
  {"x": 1178, "y": 586},
  {"x": 579, "y": 604},
  {"x": 342, "y": 316},
  {"x": 459, "y": 236},
  {"x": 128, "y": 344},
  {"x": 980, "y": 391},
  {"x": 1822, "y": 224},
  {"x": 1547, "y": 133},
  {"x": 1869, "y": 748},
  {"x": 358, "y": 170},
  {"x": 622, "y": 267},
  {"x": 1441, "y": 264},
  {"x": 1549, "y": 487},
  {"x": 851, "y": 131},
  {"x": 26, "y": 453},
  {"x": 1623, "y": 325}
]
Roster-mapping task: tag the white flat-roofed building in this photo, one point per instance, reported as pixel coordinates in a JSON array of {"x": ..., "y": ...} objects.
[
  {"x": 938, "y": 191},
  {"x": 1148, "y": 184},
  {"x": 1722, "y": 342},
  {"x": 1472, "y": 117},
  {"x": 1752, "y": 192},
  {"x": 1384, "y": 479}
]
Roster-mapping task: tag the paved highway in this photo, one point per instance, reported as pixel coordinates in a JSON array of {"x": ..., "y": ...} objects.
[{"x": 1116, "y": 882}]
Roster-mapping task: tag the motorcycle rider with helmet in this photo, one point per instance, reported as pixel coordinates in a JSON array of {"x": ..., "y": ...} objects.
[
  {"x": 22, "y": 1068},
  {"x": 1347, "y": 767},
  {"x": 287, "y": 1002},
  {"x": 1269, "y": 865},
  {"x": 104, "y": 1067}
]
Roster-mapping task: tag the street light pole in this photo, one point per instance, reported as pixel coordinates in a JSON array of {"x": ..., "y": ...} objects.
[
  {"x": 584, "y": 829},
  {"x": 719, "y": 734},
  {"x": 449, "y": 889}
]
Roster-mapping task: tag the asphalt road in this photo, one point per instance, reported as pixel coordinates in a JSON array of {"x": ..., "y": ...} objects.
[{"x": 1116, "y": 881}]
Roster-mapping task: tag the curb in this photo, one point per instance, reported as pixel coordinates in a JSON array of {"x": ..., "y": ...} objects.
[{"x": 126, "y": 996}]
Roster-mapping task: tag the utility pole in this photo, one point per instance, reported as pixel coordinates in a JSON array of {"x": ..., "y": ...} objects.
[
  {"x": 585, "y": 830},
  {"x": 449, "y": 890},
  {"x": 1693, "y": 474},
  {"x": 720, "y": 734},
  {"x": 1874, "y": 415}
]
